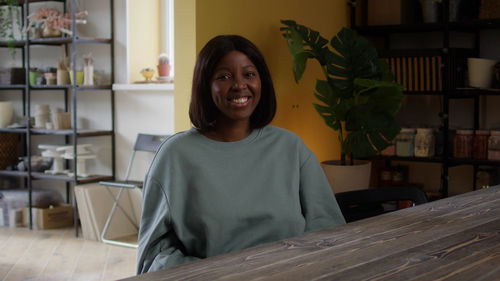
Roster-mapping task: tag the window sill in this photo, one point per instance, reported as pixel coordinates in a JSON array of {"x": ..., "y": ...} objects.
[{"x": 144, "y": 87}]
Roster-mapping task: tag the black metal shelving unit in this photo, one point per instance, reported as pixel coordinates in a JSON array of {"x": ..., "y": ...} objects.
[
  {"x": 450, "y": 88},
  {"x": 70, "y": 97}
]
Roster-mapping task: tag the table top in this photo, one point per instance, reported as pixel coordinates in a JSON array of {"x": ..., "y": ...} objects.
[{"x": 457, "y": 238}]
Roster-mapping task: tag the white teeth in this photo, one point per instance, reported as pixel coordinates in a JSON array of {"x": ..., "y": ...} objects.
[{"x": 240, "y": 100}]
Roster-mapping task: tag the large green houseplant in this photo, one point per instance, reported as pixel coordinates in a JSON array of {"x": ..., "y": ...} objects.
[{"x": 357, "y": 96}]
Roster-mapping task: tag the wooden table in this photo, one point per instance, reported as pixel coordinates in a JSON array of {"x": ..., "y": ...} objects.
[{"x": 457, "y": 238}]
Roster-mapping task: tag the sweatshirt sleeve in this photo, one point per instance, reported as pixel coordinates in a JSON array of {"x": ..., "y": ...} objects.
[
  {"x": 319, "y": 206},
  {"x": 159, "y": 246}
]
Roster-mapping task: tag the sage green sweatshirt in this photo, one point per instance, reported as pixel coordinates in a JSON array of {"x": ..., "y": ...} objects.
[{"x": 203, "y": 198}]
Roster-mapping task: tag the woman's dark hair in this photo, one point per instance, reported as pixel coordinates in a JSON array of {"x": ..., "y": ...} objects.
[{"x": 202, "y": 110}]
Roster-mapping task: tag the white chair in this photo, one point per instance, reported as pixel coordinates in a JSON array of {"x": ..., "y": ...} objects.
[{"x": 145, "y": 143}]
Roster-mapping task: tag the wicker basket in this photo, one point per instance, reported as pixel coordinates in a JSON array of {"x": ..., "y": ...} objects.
[
  {"x": 8, "y": 149},
  {"x": 490, "y": 9}
]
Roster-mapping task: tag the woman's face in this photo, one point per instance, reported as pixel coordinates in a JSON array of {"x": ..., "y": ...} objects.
[{"x": 235, "y": 87}]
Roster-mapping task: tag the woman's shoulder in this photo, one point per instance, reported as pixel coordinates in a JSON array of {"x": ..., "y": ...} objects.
[
  {"x": 281, "y": 133},
  {"x": 178, "y": 139}
]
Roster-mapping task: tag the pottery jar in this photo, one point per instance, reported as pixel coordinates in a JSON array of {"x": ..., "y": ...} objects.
[
  {"x": 480, "y": 144},
  {"x": 462, "y": 144},
  {"x": 494, "y": 146},
  {"x": 6, "y": 113},
  {"x": 405, "y": 142},
  {"x": 424, "y": 142}
]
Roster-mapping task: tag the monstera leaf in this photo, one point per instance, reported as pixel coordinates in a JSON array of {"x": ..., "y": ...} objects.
[{"x": 358, "y": 97}]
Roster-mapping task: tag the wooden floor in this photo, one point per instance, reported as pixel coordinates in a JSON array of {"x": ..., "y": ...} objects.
[{"x": 58, "y": 255}]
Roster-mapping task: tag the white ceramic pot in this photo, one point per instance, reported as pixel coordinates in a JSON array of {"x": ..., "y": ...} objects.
[
  {"x": 480, "y": 72},
  {"x": 6, "y": 113},
  {"x": 347, "y": 177}
]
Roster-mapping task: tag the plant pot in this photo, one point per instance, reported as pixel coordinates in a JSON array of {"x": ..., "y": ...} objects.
[
  {"x": 344, "y": 178},
  {"x": 163, "y": 70},
  {"x": 51, "y": 32}
]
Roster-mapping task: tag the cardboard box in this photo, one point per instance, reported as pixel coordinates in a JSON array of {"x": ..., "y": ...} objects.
[
  {"x": 49, "y": 218},
  {"x": 388, "y": 12}
]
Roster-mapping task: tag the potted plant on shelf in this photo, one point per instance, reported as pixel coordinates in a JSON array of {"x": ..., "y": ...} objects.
[
  {"x": 357, "y": 97},
  {"x": 53, "y": 22},
  {"x": 10, "y": 19}
]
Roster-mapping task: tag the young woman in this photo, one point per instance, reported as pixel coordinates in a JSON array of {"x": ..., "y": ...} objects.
[{"x": 232, "y": 181}]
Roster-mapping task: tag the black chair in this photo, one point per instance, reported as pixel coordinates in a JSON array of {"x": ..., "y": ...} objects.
[
  {"x": 360, "y": 204},
  {"x": 145, "y": 143}
]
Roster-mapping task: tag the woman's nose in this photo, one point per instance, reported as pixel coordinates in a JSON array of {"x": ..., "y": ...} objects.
[{"x": 239, "y": 84}]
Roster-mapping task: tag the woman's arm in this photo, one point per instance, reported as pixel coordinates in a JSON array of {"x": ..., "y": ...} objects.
[
  {"x": 319, "y": 207},
  {"x": 159, "y": 246}
]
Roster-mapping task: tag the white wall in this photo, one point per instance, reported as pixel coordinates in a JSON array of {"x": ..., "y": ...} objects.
[{"x": 135, "y": 111}]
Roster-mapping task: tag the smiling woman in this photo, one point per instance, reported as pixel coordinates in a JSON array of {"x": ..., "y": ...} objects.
[
  {"x": 235, "y": 88},
  {"x": 233, "y": 181}
]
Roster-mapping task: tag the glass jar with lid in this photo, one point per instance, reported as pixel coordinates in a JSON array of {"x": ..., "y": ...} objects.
[
  {"x": 424, "y": 142},
  {"x": 494, "y": 146},
  {"x": 480, "y": 144},
  {"x": 462, "y": 144},
  {"x": 405, "y": 142}
]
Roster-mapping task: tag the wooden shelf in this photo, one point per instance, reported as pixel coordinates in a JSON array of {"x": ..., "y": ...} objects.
[
  {"x": 13, "y": 173},
  {"x": 14, "y": 43},
  {"x": 55, "y": 41},
  {"x": 16, "y": 130},
  {"x": 79, "y": 88},
  {"x": 458, "y": 161},
  {"x": 470, "y": 26},
  {"x": 13, "y": 87},
  {"x": 79, "y": 132},
  {"x": 68, "y": 40},
  {"x": 65, "y": 178},
  {"x": 473, "y": 92},
  {"x": 435, "y": 159}
]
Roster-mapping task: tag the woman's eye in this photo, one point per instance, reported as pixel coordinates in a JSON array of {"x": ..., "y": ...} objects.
[
  {"x": 224, "y": 76},
  {"x": 251, "y": 74}
]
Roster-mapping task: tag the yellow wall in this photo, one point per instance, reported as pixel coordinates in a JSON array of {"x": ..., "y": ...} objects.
[
  {"x": 185, "y": 58},
  {"x": 259, "y": 21},
  {"x": 196, "y": 21},
  {"x": 144, "y": 36}
]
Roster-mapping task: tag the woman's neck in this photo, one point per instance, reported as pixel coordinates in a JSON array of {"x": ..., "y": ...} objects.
[{"x": 229, "y": 131}]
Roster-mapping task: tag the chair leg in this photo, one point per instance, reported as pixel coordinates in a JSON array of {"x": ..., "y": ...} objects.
[
  {"x": 117, "y": 202},
  {"x": 108, "y": 222}
]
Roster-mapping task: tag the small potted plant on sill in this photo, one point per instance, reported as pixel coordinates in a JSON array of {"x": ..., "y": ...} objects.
[
  {"x": 163, "y": 67},
  {"x": 357, "y": 97}
]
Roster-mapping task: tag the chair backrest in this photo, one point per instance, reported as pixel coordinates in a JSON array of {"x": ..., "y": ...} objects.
[
  {"x": 144, "y": 142},
  {"x": 360, "y": 204}
]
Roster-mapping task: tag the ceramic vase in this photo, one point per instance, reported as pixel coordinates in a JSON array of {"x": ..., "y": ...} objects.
[
  {"x": 6, "y": 113},
  {"x": 480, "y": 72}
]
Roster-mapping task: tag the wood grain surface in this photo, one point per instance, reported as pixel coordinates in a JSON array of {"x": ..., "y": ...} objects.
[{"x": 457, "y": 238}]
